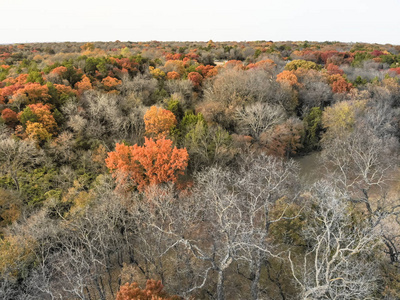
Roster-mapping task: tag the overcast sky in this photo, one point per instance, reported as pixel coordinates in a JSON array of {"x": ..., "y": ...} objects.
[{"x": 200, "y": 20}]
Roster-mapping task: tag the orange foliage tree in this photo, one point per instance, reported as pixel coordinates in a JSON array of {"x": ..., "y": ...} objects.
[
  {"x": 83, "y": 85},
  {"x": 34, "y": 92},
  {"x": 159, "y": 122},
  {"x": 110, "y": 83},
  {"x": 153, "y": 291},
  {"x": 8, "y": 91},
  {"x": 173, "y": 75},
  {"x": 60, "y": 71},
  {"x": 153, "y": 163},
  {"x": 39, "y": 121},
  {"x": 65, "y": 91},
  {"x": 19, "y": 80},
  {"x": 287, "y": 77},
  {"x": 87, "y": 47},
  {"x": 44, "y": 116}
]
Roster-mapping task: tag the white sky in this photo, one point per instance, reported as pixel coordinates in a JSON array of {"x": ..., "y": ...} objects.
[{"x": 200, "y": 20}]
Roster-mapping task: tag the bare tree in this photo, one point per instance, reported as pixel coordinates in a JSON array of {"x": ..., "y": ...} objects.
[
  {"x": 208, "y": 145},
  {"x": 17, "y": 156},
  {"x": 314, "y": 93},
  {"x": 362, "y": 163},
  {"x": 262, "y": 181},
  {"x": 224, "y": 220},
  {"x": 339, "y": 262},
  {"x": 182, "y": 87},
  {"x": 259, "y": 117},
  {"x": 104, "y": 116}
]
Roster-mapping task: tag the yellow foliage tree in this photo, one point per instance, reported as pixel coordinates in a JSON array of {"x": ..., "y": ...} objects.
[
  {"x": 36, "y": 131},
  {"x": 157, "y": 73},
  {"x": 340, "y": 118}
]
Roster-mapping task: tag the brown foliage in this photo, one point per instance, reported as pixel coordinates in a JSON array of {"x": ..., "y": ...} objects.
[{"x": 285, "y": 138}]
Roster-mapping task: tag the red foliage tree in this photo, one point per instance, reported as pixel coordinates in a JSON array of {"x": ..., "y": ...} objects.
[
  {"x": 377, "y": 53},
  {"x": 334, "y": 69},
  {"x": 262, "y": 64},
  {"x": 397, "y": 70},
  {"x": 154, "y": 163},
  {"x": 10, "y": 117},
  {"x": 176, "y": 56},
  {"x": 339, "y": 84},
  {"x": 153, "y": 291},
  {"x": 125, "y": 63},
  {"x": 195, "y": 78},
  {"x": 324, "y": 56},
  {"x": 207, "y": 71},
  {"x": 192, "y": 56}
]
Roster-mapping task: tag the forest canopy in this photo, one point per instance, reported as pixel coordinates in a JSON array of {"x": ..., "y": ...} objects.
[{"x": 199, "y": 170}]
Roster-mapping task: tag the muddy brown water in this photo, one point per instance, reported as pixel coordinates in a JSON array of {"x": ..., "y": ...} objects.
[{"x": 311, "y": 169}]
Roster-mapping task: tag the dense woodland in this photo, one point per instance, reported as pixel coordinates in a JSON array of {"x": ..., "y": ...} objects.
[{"x": 170, "y": 170}]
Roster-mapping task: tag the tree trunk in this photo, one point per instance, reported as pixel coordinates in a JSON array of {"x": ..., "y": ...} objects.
[
  {"x": 16, "y": 182},
  {"x": 255, "y": 278},
  {"x": 220, "y": 286}
]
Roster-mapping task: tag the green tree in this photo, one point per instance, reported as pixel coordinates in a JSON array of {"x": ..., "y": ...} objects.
[{"x": 313, "y": 127}]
